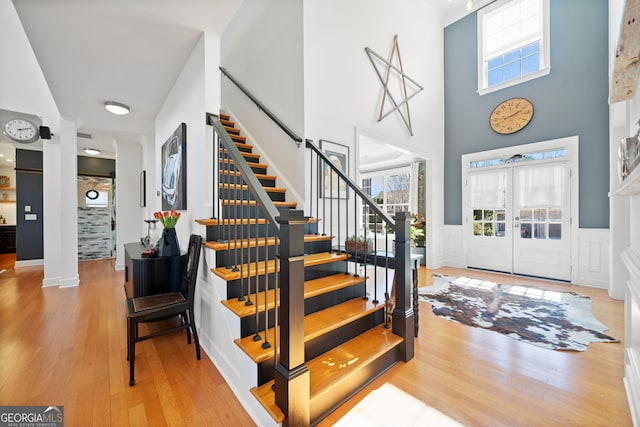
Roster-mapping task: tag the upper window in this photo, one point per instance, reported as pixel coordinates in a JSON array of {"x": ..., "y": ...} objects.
[{"x": 513, "y": 43}]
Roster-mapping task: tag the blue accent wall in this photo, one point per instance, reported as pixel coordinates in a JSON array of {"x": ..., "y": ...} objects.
[{"x": 571, "y": 100}]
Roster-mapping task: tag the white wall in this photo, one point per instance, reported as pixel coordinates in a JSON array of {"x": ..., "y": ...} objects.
[
  {"x": 187, "y": 102},
  {"x": 343, "y": 93},
  {"x": 263, "y": 49}
]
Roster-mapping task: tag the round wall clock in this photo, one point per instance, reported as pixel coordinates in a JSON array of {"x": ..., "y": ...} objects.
[
  {"x": 21, "y": 130},
  {"x": 511, "y": 116}
]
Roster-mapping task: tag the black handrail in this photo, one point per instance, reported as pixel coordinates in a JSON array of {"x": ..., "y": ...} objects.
[
  {"x": 369, "y": 201},
  {"x": 261, "y": 197},
  {"x": 285, "y": 128}
]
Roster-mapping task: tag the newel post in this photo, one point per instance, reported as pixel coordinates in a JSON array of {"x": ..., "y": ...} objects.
[
  {"x": 403, "y": 319},
  {"x": 291, "y": 373}
]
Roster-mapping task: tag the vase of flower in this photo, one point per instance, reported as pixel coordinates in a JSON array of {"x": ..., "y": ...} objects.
[{"x": 168, "y": 243}]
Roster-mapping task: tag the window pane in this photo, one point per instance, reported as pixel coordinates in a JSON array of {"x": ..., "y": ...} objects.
[
  {"x": 488, "y": 229},
  {"x": 531, "y": 49},
  {"x": 500, "y": 229},
  {"x": 512, "y": 56},
  {"x": 530, "y": 64},
  {"x": 477, "y": 214},
  {"x": 525, "y": 215},
  {"x": 555, "y": 231},
  {"x": 540, "y": 231},
  {"x": 525, "y": 231},
  {"x": 488, "y": 215},
  {"x": 540, "y": 214},
  {"x": 555, "y": 215},
  {"x": 500, "y": 215},
  {"x": 512, "y": 71},
  {"x": 495, "y": 62},
  {"x": 477, "y": 229},
  {"x": 495, "y": 77}
]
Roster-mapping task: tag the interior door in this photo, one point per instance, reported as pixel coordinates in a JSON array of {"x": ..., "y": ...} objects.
[{"x": 541, "y": 220}]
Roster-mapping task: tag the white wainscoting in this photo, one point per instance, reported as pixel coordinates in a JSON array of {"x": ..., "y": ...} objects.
[
  {"x": 593, "y": 258},
  {"x": 590, "y": 259},
  {"x": 217, "y": 328},
  {"x": 448, "y": 247}
]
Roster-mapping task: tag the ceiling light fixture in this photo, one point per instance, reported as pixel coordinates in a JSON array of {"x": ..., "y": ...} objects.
[
  {"x": 469, "y": 5},
  {"x": 92, "y": 151},
  {"x": 117, "y": 108}
]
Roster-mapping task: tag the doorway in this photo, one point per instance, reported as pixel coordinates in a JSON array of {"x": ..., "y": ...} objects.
[{"x": 518, "y": 209}]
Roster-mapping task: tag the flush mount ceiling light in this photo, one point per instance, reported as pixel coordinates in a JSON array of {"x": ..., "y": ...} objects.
[
  {"x": 117, "y": 108},
  {"x": 92, "y": 151},
  {"x": 469, "y": 5}
]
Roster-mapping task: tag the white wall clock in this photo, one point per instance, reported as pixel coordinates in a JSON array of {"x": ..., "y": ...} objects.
[{"x": 21, "y": 130}]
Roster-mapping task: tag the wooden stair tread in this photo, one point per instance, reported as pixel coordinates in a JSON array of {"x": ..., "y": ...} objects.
[
  {"x": 258, "y": 175},
  {"x": 246, "y": 187},
  {"x": 215, "y": 222},
  {"x": 227, "y": 122},
  {"x": 334, "y": 366},
  {"x": 233, "y": 221},
  {"x": 244, "y": 154},
  {"x": 267, "y": 399},
  {"x": 251, "y": 242},
  {"x": 339, "y": 362},
  {"x": 243, "y": 145},
  {"x": 315, "y": 325},
  {"x": 253, "y": 165},
  {"x": 312, "y": 288},
  {"x": 248, "y": 270},
  {"x": 224, "y": 116},
  {"x": 253, "y": 203}
]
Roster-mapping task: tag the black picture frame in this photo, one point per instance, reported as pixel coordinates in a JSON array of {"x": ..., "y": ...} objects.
[
  {"x": 143, "y": 189},
  {"x": 174, "y": 170},
  {"x": 334, "y": 188}
]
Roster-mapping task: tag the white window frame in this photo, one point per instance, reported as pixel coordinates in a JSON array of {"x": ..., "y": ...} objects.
[{"x": 545, "y": 57}]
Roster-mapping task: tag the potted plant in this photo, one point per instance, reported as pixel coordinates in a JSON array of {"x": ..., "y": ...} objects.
[
  {"x": 358, "y": 244},
  {"x": 418, "y": 236}
]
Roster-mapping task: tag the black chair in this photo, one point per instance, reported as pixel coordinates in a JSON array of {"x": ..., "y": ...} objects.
[{"x": 155, "y": 308}]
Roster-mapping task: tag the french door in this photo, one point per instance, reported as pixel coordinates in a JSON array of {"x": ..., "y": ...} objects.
[{"x": 518, "y": 219}]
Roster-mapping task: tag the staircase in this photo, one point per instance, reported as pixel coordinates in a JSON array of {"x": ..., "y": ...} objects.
[{"x": 345, "y": 341}]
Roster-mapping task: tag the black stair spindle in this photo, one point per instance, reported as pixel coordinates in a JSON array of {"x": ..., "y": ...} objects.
[
  {"x": 375, "y": 261},
  {"x": 266, "y": 343},
  {"x": 256, "y": 336},
  {"x": 245, "y": 202},
  {"x": 386, "y": 278},
  {"x": 355, "y": 234}
]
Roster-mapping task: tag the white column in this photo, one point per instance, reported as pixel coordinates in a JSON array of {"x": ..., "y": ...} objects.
[
  {"x": 129, "y": 214},
  {"x": 60, "y": 220}
]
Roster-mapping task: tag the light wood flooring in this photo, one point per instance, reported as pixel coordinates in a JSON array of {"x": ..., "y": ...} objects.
[{"x": 67, "y": 347}]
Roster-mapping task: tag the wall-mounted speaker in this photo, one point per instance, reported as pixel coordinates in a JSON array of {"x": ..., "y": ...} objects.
[{"x": 45, "y": 132}]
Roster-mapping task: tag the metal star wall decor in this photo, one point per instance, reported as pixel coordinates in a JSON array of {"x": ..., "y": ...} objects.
[{"x": 387, "y": 68}]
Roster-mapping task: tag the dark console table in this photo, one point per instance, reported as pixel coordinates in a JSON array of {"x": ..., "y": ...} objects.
[{"x": 150, "y": 276}]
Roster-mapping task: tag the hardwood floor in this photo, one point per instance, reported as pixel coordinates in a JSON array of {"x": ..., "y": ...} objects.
[
  {"x": 67, "y": 347},
  {"x": 481, "y": 378}
]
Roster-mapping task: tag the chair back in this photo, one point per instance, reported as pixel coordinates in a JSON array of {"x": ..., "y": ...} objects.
[{"x": 191, "y": 263}]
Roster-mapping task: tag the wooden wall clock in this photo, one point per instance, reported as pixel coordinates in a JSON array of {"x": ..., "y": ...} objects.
[{"x": 511, "y": 116}]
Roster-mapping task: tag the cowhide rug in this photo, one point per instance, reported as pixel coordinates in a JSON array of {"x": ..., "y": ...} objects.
[{"x": 549, "y": 319}]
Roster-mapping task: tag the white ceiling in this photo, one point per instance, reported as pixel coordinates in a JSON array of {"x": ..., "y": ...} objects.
[{"x": 128, "y": 51}]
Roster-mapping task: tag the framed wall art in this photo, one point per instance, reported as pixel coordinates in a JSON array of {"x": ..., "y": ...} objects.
[
  {"x": 174, "y": 170},
  {"x": 332, "y": 186}
]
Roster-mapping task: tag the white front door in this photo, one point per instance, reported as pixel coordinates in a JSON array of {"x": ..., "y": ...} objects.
[
  {"x": 541, "y": 220},
  {"x": 517, "y": 219}
]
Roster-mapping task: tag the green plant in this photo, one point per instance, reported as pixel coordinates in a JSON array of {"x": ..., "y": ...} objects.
[{"x": 417, "y": 230}]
